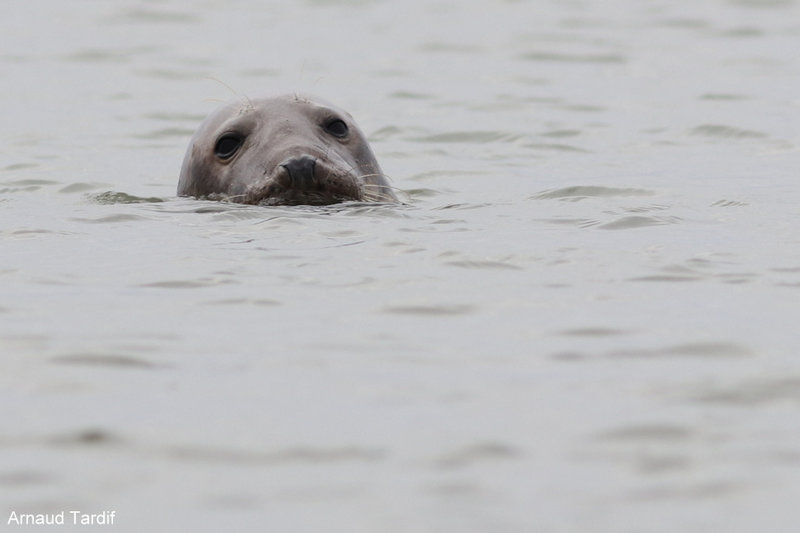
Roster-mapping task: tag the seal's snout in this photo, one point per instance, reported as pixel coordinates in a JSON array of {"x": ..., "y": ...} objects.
[{"x": 301, "y": 171}]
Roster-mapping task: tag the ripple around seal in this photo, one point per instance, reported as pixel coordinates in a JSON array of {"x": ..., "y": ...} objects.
[
  {"x": 109, "y": 219},
  {"x": 580, "y": 192},
  {"x": 81, "y": 187},
  {"x": 421, "y": 192},
  {"x": 25, "y": 185},
  {"x": 637, "y": 221},
  {"x": 114, "y": 197}
]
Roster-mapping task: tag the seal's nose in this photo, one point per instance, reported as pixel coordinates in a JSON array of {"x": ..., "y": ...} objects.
[{"x": 301, "y": 171}]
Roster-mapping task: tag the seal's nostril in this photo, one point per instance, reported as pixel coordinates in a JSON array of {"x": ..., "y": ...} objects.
[{"x": 301, "y": 171}]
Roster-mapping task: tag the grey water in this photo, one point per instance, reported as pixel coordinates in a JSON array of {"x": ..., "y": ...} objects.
[{"x": 582, "y": 318}]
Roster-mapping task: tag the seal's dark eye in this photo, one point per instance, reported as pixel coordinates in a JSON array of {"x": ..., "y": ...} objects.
[
  {"x": 227, "y": 145},
  {"x": 337, "y": 128}
]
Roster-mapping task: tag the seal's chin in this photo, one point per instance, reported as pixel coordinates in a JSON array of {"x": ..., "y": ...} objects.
[
  {"x": 303, "y": 197},
  {"x": 334, "y": 189}
]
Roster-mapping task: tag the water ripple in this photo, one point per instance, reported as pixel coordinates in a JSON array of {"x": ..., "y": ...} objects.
[
  {"x": 632, "y": 222},
  {"x": 25, "y": 185},
  {"x": 86, "y": 437},
  {"x": 752, "y": 392},
  {"x": 80, "y": 186},
  {"x": 592, "y": 332},
  {"x": 302, "y": 455},
  {"x": 648, "y": 432},
  {"x": 720, "y": 131},
  {"x": 482, "y": 265},
  {"x": 103, "y": 360},
  {"x": 186, "y": 284},
  {"x": 114, "y": 197},
  {"x": 580, "y": 192},
  {"x": 692, "y": 349},
  {"x": 560, "y": 57},
  {"x": 110, "y": 219},
  {"x": 478, "y": 453},
  {"x": 429, "y": 310},
  {"x": 470, "y": 137},
  {"x": 151, "y": 15}
]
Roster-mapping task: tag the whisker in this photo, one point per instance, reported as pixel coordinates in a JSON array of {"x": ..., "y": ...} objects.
[
  {"x": 248, "y": 103},
  {"x": 381, "y": 186}
]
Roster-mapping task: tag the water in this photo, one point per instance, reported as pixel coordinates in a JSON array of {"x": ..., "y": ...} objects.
[{"x": 582, "y": 319}]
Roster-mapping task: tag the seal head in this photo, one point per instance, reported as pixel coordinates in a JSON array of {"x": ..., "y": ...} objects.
[{"x": 287, "y": 150}]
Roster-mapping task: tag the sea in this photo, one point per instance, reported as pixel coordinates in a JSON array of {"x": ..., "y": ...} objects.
[{"x": 582, "y": 316}]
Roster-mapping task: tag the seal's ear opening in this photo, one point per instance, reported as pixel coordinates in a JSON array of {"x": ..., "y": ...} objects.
[{"x": 228, "y": 145}]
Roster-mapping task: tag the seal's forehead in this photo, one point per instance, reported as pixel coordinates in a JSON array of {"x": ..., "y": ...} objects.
[
  {"x": 294, "y": 101},
  {"x": 218, "y": 117},
  {"x": 244, "y": 107},
  {"x": 245, "y": 113}
]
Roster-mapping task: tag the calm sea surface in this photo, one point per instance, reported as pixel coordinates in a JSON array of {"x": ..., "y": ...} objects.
[{"x": 584, "y": 318}]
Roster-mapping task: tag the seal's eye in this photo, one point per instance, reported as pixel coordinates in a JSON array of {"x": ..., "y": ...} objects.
[
  {"x": 337, "y": 128},
  {"x": 227, "y": 145}
]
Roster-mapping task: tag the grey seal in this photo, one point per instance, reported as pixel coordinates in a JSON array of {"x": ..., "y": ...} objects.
[{"x": 285, "y": 150}]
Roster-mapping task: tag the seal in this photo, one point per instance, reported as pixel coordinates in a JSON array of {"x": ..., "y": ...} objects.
[{"x": 286, "y": 150}]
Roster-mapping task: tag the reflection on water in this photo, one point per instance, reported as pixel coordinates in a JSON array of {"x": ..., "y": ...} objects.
[
  {"x": 581, "y": 319},
  {"x": 111, "y": 197}
]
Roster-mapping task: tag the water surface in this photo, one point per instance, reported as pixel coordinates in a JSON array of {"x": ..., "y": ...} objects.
[{"x": 583, "y": 318}]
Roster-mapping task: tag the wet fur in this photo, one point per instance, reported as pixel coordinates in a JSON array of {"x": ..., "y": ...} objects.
[{"x": 275, "y": 130}]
